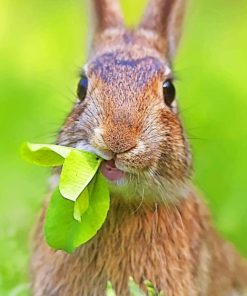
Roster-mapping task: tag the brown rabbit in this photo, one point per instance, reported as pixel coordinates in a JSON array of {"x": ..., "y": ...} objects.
[{"x": 157, "y": 228}]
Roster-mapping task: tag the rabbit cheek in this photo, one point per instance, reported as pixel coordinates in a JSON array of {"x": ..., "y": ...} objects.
[{"x": 175, "y": 158}]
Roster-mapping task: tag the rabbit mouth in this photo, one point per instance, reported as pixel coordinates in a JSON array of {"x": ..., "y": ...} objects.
[{"x": 110, "y": 171}]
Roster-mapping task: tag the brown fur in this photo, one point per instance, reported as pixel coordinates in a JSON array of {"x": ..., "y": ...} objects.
[
  {"x": 173, "y": 246},
  {"x": 157, "y": 228}
]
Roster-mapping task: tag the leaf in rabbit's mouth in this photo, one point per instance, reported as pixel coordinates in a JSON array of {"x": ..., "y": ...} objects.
[
  {"x": 110, "y": 171},
  {"x": 79, "y": 205}
]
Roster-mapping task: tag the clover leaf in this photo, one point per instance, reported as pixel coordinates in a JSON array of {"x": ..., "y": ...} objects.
[
  {"x": 78, "y": 207},
  {"x": 62, "y": 231},
  {"x": 81, "y": 204},
  {"x": 78, "y": 170},
  {"x": 45, "y": 154}
]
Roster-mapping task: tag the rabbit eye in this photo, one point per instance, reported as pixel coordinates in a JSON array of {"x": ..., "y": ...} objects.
[
  {"x": 169, "y": 92},
  {"x": 82, "y": 88}
]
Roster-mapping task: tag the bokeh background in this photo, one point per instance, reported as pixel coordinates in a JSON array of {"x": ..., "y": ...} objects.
[{"x": 43, "y": 44}]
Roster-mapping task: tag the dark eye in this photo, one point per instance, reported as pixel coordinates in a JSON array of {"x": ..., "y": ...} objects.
[
  {"x": 82, "y": 88},
  {"x": 169, "y": 92}
]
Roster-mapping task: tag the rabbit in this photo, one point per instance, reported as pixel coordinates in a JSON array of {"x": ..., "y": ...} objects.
[{"x": 158, "y": 227}]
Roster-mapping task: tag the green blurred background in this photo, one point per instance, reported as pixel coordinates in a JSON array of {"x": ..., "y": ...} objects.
[{"x": 42, "y": 47}]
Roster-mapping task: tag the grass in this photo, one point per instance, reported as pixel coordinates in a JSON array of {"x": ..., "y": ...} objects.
[
  {"x": 135, "y": 290},
  {"x": 43, "y": 46}
]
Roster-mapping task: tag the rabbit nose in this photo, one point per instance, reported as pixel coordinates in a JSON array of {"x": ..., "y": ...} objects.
[{"x": 120, "y": 138}]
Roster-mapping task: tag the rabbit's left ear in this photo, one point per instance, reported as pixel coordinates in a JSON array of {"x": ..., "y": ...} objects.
[
  {"x": 165, "y": 18},
  {"x": 107, "y": 14}
]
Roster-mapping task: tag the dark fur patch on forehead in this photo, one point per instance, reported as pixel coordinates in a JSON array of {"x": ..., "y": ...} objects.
[{"x": 121, "y": 66}]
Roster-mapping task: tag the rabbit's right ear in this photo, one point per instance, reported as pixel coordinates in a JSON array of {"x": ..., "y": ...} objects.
[
  {"x": 164, "y": 18},
  {"x": 107, "y": 14}
]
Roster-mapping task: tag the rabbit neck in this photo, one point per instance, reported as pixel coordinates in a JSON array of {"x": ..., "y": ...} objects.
[{"x": 154, "y": 237}]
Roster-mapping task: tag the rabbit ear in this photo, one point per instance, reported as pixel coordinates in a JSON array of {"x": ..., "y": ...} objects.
[
  {"x": 165, "y": 18},
  {"x": 107, "y": 14}
]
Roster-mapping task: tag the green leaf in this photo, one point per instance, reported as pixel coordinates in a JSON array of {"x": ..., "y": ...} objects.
[
  {"x": 62, "y": 231},
  {"x": 109, "y": 289},
  {"x": 150, "y": 288},
  {"x": 94, "y": 217},
  {"x": 78, "y": 170},
  {"x": 81, "y": 204},
  {"x": 134, "y": 288},
  {"x": 44, "y": 154},
  {"x": 59, "y": 222}
]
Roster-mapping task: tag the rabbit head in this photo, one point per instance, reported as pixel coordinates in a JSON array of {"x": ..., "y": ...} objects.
[{"x": 126, "y": 110}]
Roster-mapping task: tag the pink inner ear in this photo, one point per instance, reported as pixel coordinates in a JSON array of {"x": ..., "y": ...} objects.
[{"x": 110, "y": 172}]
